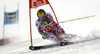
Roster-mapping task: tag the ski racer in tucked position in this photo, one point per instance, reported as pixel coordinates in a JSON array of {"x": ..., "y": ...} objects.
[{"x": 48, "y": 28}]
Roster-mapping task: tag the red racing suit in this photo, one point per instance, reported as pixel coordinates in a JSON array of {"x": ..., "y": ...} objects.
[{"x": 53, "y": 30}]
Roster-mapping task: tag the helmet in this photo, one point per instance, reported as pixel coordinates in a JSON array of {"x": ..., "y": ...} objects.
[{"x": 41, "y": 13}]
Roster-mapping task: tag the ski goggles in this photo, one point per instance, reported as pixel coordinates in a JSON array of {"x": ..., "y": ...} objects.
[{"x": 42, "y": 17}]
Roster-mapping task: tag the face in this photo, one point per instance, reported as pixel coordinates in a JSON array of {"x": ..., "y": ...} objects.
[{"x": 42, "y": 18}]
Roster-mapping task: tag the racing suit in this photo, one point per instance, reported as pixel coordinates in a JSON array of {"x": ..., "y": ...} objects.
[{"x": 52, "y": 30}]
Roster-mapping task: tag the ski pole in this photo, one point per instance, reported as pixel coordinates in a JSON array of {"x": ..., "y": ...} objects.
[
  {"x": 77, "y": 19},
  {"x": 72, "y": 20}
]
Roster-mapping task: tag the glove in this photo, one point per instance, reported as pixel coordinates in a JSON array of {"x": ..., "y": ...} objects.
[{"x": 44, "y": 36}]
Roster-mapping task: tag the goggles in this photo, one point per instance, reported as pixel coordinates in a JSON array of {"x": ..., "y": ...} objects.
[{"x": 42, "y": 17}]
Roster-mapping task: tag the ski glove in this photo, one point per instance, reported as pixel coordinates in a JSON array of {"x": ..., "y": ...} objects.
[
  {"x": 44, "y": 24},
  {"x": 44, "y": 36}
]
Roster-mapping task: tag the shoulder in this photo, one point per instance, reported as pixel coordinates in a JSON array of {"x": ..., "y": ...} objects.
[
  {"x": 48, "y": 14},
  {"x": 37, "y": 22}
]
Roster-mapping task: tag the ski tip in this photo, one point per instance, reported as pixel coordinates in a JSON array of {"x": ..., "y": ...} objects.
[
  {"x": 31, "y": 47},
  {"x": 35, "y": 47}
]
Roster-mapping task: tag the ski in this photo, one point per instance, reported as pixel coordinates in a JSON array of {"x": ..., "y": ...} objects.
[
  {"x": 49, "y": 46},
  {"x": 36, "y": 47},
  {"x": 42, "y": 47}
]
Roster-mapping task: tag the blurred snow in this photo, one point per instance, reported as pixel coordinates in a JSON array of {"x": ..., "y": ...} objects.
[{"x": 87, "y": 47}]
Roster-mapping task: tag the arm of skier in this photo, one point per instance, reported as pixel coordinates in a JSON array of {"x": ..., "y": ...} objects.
[
  {"x": 40, "y": 29},
  {"x": 44, "y": 36}
]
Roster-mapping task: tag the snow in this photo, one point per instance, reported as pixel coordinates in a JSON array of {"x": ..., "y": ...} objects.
[
  {"x": 87, "y": 29},
  {"x": 90, "y": 46}
]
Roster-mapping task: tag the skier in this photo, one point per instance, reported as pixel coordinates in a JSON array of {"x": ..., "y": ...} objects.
[{"x": 48, "y": 28}]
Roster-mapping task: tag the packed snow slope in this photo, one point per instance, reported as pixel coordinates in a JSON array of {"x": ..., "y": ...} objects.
[{"x": 86, "y": 46}]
